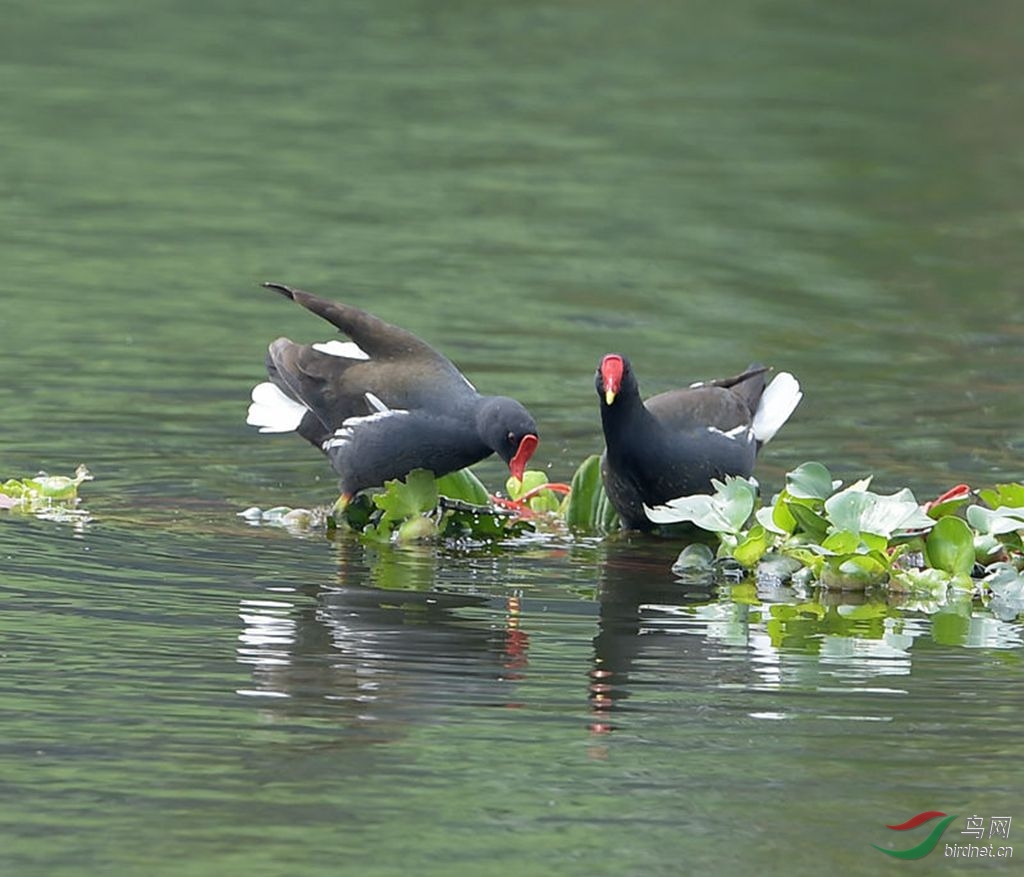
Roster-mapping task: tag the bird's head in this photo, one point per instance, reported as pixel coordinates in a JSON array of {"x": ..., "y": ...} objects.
[{"x": 508, "y": 429}]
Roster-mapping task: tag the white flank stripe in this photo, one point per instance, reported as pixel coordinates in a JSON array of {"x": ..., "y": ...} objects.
[
  {"x": 349, "y": 425},
  {"x": 733, "y": 433},
  {"x": 778, "y": 401},
  {"x": 375, "y": 402},
  {"x": 344, "y": 349},
  {"x": 272, "y": 411}
]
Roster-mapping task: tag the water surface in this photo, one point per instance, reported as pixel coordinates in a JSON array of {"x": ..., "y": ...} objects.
[{"x": 830, "y": 190}]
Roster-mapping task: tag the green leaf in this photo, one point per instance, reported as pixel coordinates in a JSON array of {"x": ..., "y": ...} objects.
[
  {"x": 782, "y": 515},
  {"x": 921, "y": 582},
  {"x": 950, "y": 546},
  {"x": 532, "y": 479},
  {"x": 605, "y": 514},
  {"x": 809, "y": 481},
  {"x": 737, "y": 497},
  {"x": 463, "y": 485},
  {"x": 726, "y": 511},
  {"x": 753, "y": 547},
  {"x": 589, "y": 509},
  {"x": 847, "y": 508},
  {"x": 995, "y": 521},
  {"x": 813, "y": 524},
  {"x": 863, "y": 511},
  {"x": 854, "y": 573},
  {"x": 1004, "y": 495},
  {"x": 403, "y": 499},
  {"x": 841, "y": 542}
]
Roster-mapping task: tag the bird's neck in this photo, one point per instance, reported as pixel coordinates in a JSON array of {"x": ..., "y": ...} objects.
[{"x": 628, "y": 427}]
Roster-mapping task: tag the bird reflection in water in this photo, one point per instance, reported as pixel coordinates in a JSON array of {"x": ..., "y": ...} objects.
[{"x": 381, "y": 659}]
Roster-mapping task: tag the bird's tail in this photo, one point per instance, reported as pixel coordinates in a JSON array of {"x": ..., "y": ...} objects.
[{"x": 777, "y": 403}]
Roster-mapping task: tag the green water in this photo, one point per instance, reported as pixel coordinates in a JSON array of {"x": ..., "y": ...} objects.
[{"x": 829, "y": 187}]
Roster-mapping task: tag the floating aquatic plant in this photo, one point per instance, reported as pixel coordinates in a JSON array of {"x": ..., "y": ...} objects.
[
  {"x": 814, "y": 530},
  {"x": 44, "y": 495},
  {"x": 853, "y": 538}
]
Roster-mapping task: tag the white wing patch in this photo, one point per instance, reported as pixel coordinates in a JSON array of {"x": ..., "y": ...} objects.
[
  {"x": 273, "y": 411},
  {"x": 344, "y": 349},
  {"x": 778, "y": 401},
  {"x": 351, "y": 425}
]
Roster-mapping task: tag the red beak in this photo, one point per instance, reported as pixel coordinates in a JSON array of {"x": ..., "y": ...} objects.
[
  {"x": 517, "y": 465},
  {"x": 611, "y": 376}
]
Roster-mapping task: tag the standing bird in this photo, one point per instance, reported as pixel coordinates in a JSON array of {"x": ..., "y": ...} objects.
[
  {"x": 673, "y": 444},
  {"x": 383, "y": 403}
]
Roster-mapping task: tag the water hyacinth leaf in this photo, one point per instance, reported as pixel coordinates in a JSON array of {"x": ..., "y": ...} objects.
[
  {"x": 1006, "y": 583},
  {"x": 874, "y": 542},
  {"x": 841, "y": 542},
  {"x": 809, "y": 521},
  {"x": 606, "y": 516},
  {"x": 584, "y": 509},
  {"x": 765, "y": 516},
  {"x": 847, "y": 508},
  {"x": 782, "y": 515},
  {"x": 737, "y": 497},
  {"x": 854, "y": 573},
  {"x": 699, "y": 509},
  {"x": 532, "y": 479},
  {"x": 867, "y": 512},
  {"x": 950, "y": 546},
  {"x": 996, "y": 522},
  {"x": 1011, "y": 495},
  {"x": 987, "y": 547},
  {"x": 924, "y": 582},
  {"x": 750, "y": 549},
  {"x": 57, "y": 486},
  {"x": 44, "y": 493},
  {"x": 896, "y": 514},
  {"x": 543, "y": 497},
  {"x": 1004, "y": 578},
  {"x": 12, "y": 488},
  {"x": 463, "y": 485},
  {"x": 810, "y": 480},
  {"x": 727, "y": 510}
]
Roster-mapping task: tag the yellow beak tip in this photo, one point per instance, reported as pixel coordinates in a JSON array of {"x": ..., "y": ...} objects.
[{"x": 609, "y": 396}]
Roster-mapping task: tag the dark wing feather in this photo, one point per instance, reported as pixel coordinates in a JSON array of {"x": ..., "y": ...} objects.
[{"x": 379, "y": 339}]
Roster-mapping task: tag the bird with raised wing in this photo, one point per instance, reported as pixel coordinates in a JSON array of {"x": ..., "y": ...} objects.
[{"x": 383, "y": 402}]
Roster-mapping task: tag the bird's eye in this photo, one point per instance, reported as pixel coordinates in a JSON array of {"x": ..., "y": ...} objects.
[{"x": 511, "y": 438}]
